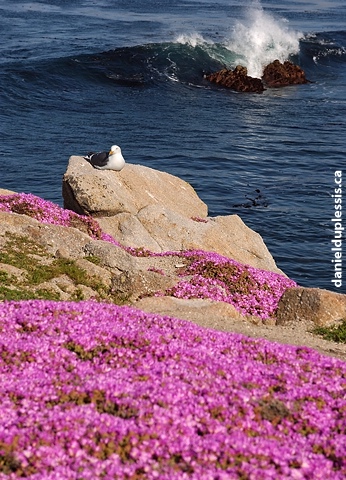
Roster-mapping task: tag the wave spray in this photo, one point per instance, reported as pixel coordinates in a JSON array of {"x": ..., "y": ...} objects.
[{"x": 261, "y": 39}]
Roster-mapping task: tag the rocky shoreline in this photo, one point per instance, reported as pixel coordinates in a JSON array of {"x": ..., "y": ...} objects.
[{"x": 143, "y": 238}]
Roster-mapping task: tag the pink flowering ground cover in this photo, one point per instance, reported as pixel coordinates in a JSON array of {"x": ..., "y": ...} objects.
[
  {"x": 251, "y": 290},
  {"x": 48, "y": 212},
  {"x": 91, "y": 390},
  {"x": 207, "y": 274}
]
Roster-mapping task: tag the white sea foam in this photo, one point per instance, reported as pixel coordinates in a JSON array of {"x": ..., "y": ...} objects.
[
  {"x": 261, "y": 39},
  {"x": 192, "y": 39}
]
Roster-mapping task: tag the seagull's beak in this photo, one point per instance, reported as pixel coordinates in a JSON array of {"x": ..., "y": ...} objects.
[{"x": 111, "y": 152}]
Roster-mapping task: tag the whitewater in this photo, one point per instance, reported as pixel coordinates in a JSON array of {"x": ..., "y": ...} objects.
[{"x": 253, "y": 43}]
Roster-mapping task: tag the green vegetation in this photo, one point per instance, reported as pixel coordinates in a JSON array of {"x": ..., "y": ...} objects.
[
  {"x": 93, "y": 259},
  {"x": 38, "y": 267},
  {"x": 335, "y": 333}
]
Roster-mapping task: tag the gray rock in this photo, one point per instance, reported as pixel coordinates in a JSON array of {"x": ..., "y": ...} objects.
[
  {"x": 144, "y": 208},
  {"x": 320, "y": 306},
  {"x": 218, "y": 315},
  {"x": 3, "y": 191},
  {"x": 107, "y": 193}
]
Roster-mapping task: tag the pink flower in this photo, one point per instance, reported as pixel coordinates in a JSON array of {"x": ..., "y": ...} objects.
[{"x": 209, "y": 275}]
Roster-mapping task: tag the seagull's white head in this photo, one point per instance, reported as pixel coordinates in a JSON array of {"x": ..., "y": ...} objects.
[{"x": 114, "y": 150}]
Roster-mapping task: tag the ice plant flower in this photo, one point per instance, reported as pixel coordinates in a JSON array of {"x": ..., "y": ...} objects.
[
  {"x": 48, "y": 212},
  {"x": 251, "y": 290},
  {"x": 208, "y": 275},
  {"x": 91, "y": 390}
]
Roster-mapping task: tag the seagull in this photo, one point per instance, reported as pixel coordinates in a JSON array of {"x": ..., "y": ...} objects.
[{"x": 112, "y": 160}]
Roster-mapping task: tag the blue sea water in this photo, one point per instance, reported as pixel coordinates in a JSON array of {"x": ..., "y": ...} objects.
[{"x": 81, "y": 75}]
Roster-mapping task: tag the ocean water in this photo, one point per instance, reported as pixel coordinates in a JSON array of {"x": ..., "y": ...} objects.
[{"x": 81, "y": 75}]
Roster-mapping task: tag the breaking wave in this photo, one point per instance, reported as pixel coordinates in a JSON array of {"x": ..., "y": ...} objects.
[
  {"x": 261, "y": 39},
  {"x": 257, "y": 40},
  {"x": 254, "y": 42}
]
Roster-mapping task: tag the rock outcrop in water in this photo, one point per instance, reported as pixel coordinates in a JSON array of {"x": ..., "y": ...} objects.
[
  {"x": 275, "y": 75},
  {"x": 237, "y": 80},
  {"x": 278, "y": 74}
]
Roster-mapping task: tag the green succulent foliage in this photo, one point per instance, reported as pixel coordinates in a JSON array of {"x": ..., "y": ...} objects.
[
  {"x": 335, "y": 333},
  {"x": 39, "y": 267}
]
